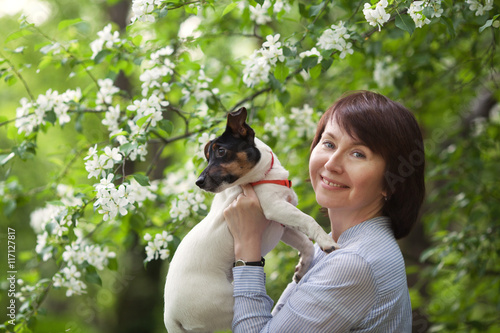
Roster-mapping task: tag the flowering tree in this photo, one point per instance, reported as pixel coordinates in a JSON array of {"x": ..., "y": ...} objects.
[{"x": 138, "y": 105}]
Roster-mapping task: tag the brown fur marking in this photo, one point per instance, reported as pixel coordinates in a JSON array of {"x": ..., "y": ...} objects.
[{"x": 239, "y": 167}]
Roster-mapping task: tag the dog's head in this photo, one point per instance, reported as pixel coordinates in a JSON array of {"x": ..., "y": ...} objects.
[{"x": 230, "y": 156}]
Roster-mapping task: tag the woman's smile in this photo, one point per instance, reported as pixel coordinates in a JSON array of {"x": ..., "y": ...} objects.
[{"x": 331, "y": 183}]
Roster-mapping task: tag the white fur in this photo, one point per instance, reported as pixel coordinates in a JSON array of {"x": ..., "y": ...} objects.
[{"x": 198, "y": 290}]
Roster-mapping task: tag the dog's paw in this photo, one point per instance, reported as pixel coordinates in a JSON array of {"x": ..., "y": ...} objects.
[
  {"x": 297, "y": 277},
  {"x": 327, "y": 244},
  {"x": 300, "y": 271},
  {"x": 303, "y": 266}
]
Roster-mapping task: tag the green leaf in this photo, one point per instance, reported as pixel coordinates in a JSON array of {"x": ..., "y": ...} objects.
[
  {"x": 142, "y": 121},
  {"x": 50, "y": 116},
  {"x": 141, "y": 179},
  {"x": 428, "y": 11},
  {"x": 450, "y": 29},
  {"x": 163, "y": 12},
  {"x": 18, "y": 34},
  {"x": 124, "y": 133},
  {"x": 56, "y": 203},
  {"x": 126, "y": 148},
  {"x": 405, "y": 22},
  {"x": 229, "y": 8},
  {"x": 275, "y": 84},
  {"x": 49, "y": 227},
  {"x": 315, "y": 71},
  {"x": 66, "y": 23},
  {"x": 91, "y": 276},
  {"x": 281, "y": 71},
  {"x": 326, "y": 64},
  {"x": 287, "y": 52},
  {"x": 113, "y": 264},
  {"x": 167, "y": 126},
  {"x": 488, "y": 23},
  {"x": 46, "y": 61},
  {"x": 10, "y": 79},
  {"x": 4, "y": 158},
  {"x": 309, "y": 62},
  {"x": 137, "y": 40},
  {"x": 315, "y": 10},
  {"x": 101, "y": 55},
  {"x": 302, "y": 10},
  {"x": 284, "y": 97}
]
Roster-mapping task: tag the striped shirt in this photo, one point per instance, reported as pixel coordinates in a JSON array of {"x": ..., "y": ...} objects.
[{"x": 360, "y": 287}]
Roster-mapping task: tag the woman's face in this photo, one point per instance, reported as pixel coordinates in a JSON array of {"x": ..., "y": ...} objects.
[{"x": 346, "y": 175}]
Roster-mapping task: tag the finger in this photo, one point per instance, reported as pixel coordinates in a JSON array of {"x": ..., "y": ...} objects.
[{"x": 248, "y": 190}]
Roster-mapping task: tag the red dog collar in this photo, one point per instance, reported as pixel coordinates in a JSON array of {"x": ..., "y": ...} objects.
[{"x": 283, "y": 182}]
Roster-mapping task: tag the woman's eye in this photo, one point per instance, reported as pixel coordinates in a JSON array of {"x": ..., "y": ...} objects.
[
  {"x": 328, "y": 144},
  {"x": 359, "y": 154}
]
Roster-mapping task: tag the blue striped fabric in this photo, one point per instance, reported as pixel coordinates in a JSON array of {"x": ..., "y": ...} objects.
[{"x": 360, "y": 287}]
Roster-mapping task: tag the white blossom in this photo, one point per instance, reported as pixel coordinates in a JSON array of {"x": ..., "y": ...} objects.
[
  {"x": 310, "y": 53},
  {"x": 96, "y": 165},
  {"x": 163, "y": 52},
  {"x": 478, "y": 7},
  {"x": 188, "y": 28},
  {"x": 179, "y": 181},
  {"x": 111, "y": 201},
  {"x": 256, "y": 69},
  {"x": 105, "y": 93},
  {"x": 272, "y": 50},
  {"x": 280, "y": 5},
  {"x": 140, "y": 152},
  {"x": 203, "y": 140},
  {"x": 157, "y": 247},
  {"x": 107, "y": 39},
  {"x": 376, "y": 16},
  {"x": 71, "y": 272},
  {"x": 336, "y": 38},
  {"x": 143, "y": 9},
  {"x": 416, "y": 14},
  {"x": 26, "y": 121},
  {"x": 32, "y": 114},
  {"x": 260, "y": 63},
  {"x": 259, "y": 14},
  {"x": 185, "y": 204},
  {"x": 151, "y": 108},
  {"x": 278, "y": 128},
  {"x": 385, "y": 72},
  {"x": 304, "y": 120},
  {"x": 75, "y": 287},
  {"x": 156, "y": 70},
  {"x": 55, "y": 48},
  {"x": 112, "y": 118},
  {"x": 198, "y": 85}
]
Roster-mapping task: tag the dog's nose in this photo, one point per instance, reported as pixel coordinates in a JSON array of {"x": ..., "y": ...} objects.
[{"x": 200, "y": 181}]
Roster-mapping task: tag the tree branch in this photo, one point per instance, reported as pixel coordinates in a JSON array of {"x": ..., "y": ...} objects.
[{"x": 20, "y": 77}]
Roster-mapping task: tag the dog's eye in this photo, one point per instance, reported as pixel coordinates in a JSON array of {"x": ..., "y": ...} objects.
[{"x": 220, "y": 152}]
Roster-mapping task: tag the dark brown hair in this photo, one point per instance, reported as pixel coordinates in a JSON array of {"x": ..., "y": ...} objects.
[{"x": 391, "y": 130}]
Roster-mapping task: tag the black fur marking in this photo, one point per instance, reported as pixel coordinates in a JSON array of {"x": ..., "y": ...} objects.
[{"x": 231, "y": 155}]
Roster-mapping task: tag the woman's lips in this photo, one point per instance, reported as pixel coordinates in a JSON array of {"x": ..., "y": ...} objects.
[{"x": 333, "y": 183}]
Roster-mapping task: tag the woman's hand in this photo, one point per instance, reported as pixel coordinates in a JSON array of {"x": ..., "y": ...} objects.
[{"x": 247, "y": 223}]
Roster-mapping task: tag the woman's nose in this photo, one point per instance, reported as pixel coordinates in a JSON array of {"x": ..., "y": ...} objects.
[{"x": 335, "y": 163}]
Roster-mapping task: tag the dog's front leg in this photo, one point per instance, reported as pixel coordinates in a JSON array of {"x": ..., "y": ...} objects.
[
  {"x": 305, "y": 247},
  {"x": 287, "y": 214}
]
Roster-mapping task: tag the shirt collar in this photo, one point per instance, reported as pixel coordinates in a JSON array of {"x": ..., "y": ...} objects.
[{"x": 350, "y": 234}]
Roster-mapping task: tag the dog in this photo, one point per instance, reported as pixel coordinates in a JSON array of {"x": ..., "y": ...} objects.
[{"x": 198, "y": 289}]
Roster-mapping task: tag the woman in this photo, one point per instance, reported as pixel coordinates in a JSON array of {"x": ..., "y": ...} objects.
[{"x": 367, "y": 170}]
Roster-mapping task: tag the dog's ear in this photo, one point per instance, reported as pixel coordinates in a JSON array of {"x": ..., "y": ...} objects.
[
  {"x": 236, "y": 124},
  {"x": 207, "y": 148}
]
